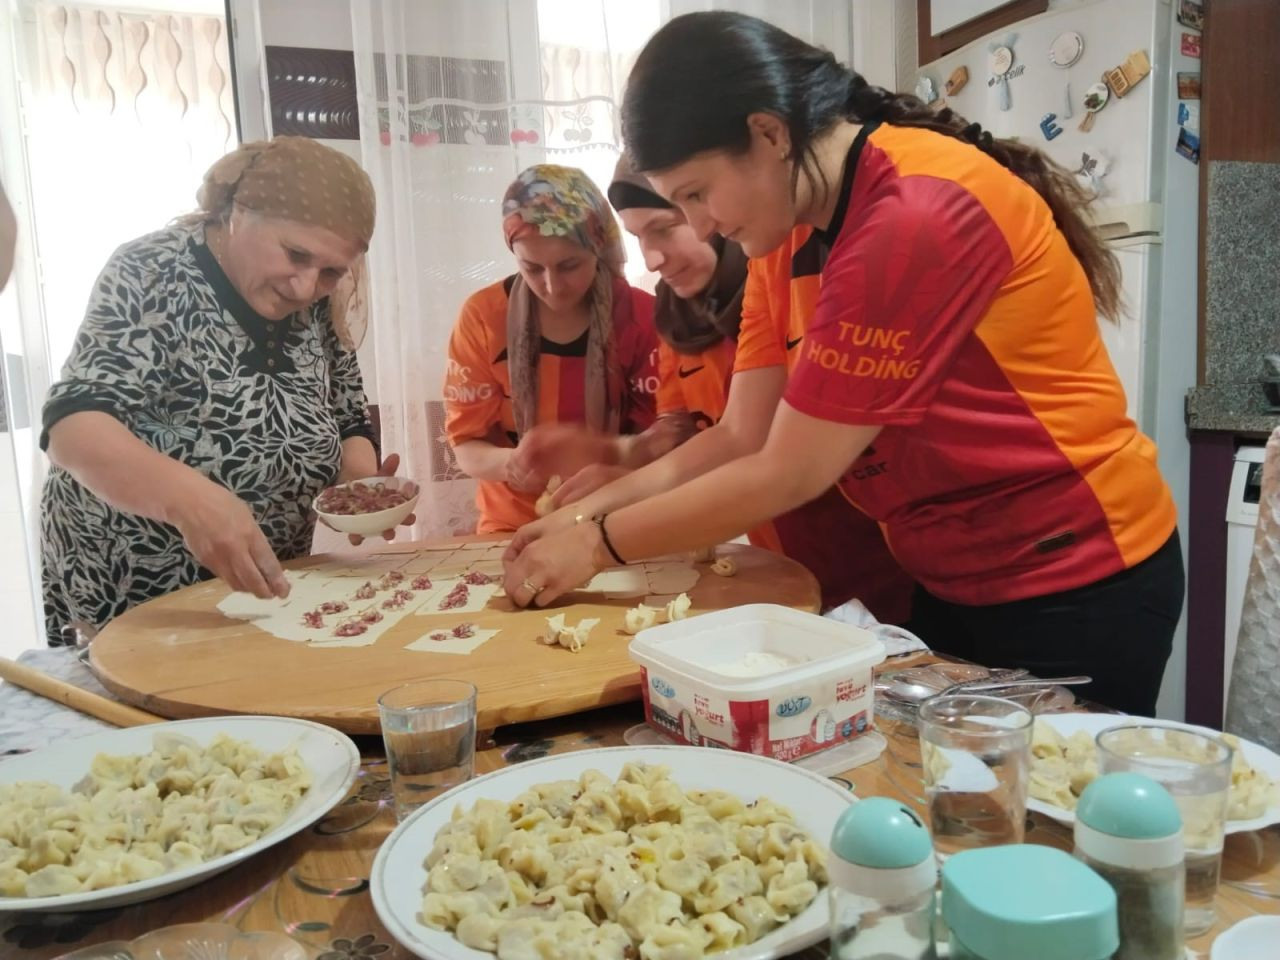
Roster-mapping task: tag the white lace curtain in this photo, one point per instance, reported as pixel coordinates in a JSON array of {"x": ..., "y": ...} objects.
[{"x": 129, "y": 109}]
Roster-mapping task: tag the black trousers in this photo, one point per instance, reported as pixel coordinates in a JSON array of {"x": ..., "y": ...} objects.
[{"x": 1118, "y": 631}]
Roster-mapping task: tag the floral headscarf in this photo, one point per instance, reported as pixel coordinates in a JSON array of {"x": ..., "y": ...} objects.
[{"x": 552, "y": 201}]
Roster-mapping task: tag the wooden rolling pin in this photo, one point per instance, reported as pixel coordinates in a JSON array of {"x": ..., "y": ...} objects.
[{"x": 120, "y": 714}]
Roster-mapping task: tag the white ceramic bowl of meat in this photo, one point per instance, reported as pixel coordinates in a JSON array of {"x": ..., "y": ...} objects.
[{"x": 367, "y": 507}]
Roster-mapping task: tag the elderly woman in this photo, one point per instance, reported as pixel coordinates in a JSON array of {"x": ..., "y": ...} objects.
[
  {"x": 565, "y": 340},
  {"x": 208, "y": 398}
]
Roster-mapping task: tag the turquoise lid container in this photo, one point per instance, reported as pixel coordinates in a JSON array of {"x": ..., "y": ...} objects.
[
  {"x": 881, "y": 833},
  {"x": 1025, "y": 901}
]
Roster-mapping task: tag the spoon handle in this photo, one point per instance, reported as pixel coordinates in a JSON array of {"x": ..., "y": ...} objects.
[{"x": 1024, "y": 682}]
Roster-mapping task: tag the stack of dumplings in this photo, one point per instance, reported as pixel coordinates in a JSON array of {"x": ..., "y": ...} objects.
[
  {"x": 590, "y": 869},
  {"x": 136, "y": 817}
]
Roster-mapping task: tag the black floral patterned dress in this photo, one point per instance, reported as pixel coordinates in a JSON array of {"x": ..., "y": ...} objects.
[{"x": 170, "y": 349}]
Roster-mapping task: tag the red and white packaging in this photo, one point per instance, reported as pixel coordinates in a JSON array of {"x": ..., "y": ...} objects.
[{"x": 822, "y": 697}]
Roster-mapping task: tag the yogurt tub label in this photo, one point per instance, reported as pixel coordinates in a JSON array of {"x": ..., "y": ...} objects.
[{"x": 792, "y": 723}]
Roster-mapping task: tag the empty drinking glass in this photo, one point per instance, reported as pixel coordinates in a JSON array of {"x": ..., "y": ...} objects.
[{"x": 429, "y": 729}]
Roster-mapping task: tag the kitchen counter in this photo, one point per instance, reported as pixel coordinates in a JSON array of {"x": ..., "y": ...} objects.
[
  {"x": 1242, "y": 291},
  {"x": 1231, "y": 408}
]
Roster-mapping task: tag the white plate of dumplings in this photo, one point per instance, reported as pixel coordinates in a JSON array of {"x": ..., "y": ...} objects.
[
  {"x": 399, "y": 871},
  {"x": 1252, "y": 767},
  {"x": 330, "y": 757}
]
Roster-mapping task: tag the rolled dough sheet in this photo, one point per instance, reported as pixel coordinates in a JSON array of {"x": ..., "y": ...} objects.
[
  {"x": 283, "y": 618},
  {"x": 452, "y": 644},
  {"x": 426, "y": 562},
  {"x": 619, "y": 582},
  {"x": 368, "y": 567},
  {"x": 674, "y": 578}
]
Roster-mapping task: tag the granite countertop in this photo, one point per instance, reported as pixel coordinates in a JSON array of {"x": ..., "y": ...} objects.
[
  {"x": 1242, "y": 298},
  {"x": 1233, "y": 407}
]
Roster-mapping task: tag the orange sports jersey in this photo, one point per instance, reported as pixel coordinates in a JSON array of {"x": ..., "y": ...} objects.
[
  {"x": 840, "y": 545},
  {"x": 952, "y": 312},
  {"x": 477, "y": 391},
  {"x": 697, "y": 384},
  {"x": 843, "y": 547}
]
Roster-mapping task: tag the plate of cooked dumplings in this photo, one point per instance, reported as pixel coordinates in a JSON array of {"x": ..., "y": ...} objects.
[
  {"x": 127, "y": 815},
  {"x": 615, "y": 853},
  {"x": 1064, "y": 760}
]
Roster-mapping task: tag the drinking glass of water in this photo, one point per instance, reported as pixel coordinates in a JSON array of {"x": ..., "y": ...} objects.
[
  {"x": 976, "y": 755},
  {"x": 429, "y": 729},
  {"x": 1196, "y": 770}
]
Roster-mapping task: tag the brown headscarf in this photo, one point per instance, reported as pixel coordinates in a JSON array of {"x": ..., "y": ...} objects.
[
  {"x": 692, "y": 325},
  {"x": 293, "y": 178},
  {"x": 298, "y": 179}
]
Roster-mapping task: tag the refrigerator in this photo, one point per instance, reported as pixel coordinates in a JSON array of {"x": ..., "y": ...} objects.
[{"x": 1031, "y": 81}]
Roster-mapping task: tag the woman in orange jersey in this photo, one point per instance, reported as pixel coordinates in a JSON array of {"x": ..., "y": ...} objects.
[
  {"x": 710, "y": 341},
  {"x": 952, "y": 379},
  {"x": 565, "y": 339}
]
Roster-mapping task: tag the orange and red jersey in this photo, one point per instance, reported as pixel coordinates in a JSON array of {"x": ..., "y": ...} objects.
[
  {"x": 697, "y": 384},
  {"x": 477, "y": 388},
  {"x": 838, "y": 543},
  {"x": 951, "y": 312}
]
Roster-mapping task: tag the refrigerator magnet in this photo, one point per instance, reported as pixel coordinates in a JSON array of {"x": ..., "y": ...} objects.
[
  {"x": 1049, "y": 126},
  {"x": 1188, "y": 86},
  {"x": 1093, "y": 167},
  {"x": 1188, "y": 145},
  {"x": 1191, "y": 14},
  {"x": 1129, "y": 74},
  {"x": 1191, "y": 45},
  {"x": 1065, "y": 50},
  {"x": 1000, "y": 63},
  {"x": 955, "y": 83},
  {"x": 1095, "y": 98},
  {"x": 1189, "y": 115},
  {"x": 926, "y": 90}
]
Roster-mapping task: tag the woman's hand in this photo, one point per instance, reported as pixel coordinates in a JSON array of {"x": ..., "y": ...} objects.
[
  {"x": 388, "y": 469},
  {"x": 223, "y": 536},
  {"x": 562, "y": 449},
  {"x": 551, "y": 565},
  {"x": 586, "y": 481}
]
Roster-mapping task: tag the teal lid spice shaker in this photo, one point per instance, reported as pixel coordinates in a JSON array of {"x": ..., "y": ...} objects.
[
  {"x": 1129, "y": 831},
  {"x": 1027, "y": 902},
  {"x": 882, "y": 876}
]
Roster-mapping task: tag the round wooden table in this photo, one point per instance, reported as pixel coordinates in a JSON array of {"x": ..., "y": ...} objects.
[{"x": 179, "y": 656}]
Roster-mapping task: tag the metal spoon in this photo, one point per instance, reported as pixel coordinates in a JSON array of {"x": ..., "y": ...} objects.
[
  {"x": 981, "y": 685},
  {"x": 911, "y": 690}
]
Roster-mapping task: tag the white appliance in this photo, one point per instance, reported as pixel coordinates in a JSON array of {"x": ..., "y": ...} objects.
[
  {"x": 1148, "y": 207},
  {"x": 1242, "y": 522}
]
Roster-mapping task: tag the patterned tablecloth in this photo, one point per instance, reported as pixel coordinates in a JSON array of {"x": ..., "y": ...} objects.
[{"x": 315, "y": 886}]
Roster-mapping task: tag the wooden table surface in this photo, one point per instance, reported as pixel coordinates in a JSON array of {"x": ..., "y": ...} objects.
[
  {"x": 179, "y": 656},
  {"x": 315, "y": 886}
]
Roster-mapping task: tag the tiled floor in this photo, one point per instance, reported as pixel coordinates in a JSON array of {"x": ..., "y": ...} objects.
[{"x": 18, "y": 621}]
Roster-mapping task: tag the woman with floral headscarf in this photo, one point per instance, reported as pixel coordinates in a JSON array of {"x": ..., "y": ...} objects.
[
  {"x": 209, "y": 396},
  {"x": 564, "y": 339}
]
